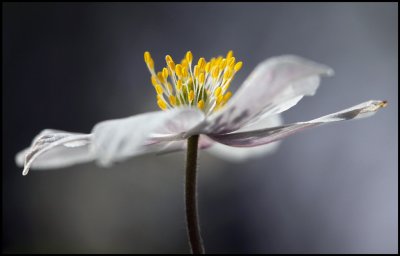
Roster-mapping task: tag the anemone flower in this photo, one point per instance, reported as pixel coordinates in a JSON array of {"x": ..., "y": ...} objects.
[{"x": 197, "y": 108}]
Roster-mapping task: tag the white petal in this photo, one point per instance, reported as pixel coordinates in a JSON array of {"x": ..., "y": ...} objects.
[
  {"x": 236, "y": 154},
  {"x": 55, "y": 149},
  {"x": 274, "y": 86},
  {"x": 268, "y": 135},
  {"x": 115, "y": 140}
]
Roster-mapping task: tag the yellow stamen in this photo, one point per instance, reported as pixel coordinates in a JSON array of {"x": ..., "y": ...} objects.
[
  {"x": 238, "y": 66},
  {"x": 229, "y": 55},
  {"x": 215, "y": 72},
  {"x": 159, "y": 89},
  {"x": 162, "y": 104},
  {"x": 200, "y": 104},
  {"x": 201, "y": 63},
  {"x": 189, "y": 57},
  {"x": 201, "y": 78},
  {"x": 191, "y": 95},
  {"x": 165, "y": 73},
  {"x": 160, "y": 77},
  {"x": 208, "y": 67},
  {"x": 196, "y": 71},
  {"x": 227, "y": 96},
  {"x": 154, "y": 80},
  {"x": 179, "y": 85},
  {"x": 178, "y": 70},
  {"x": 172, "y": 100},
  {"x": 217, "y": 92}
]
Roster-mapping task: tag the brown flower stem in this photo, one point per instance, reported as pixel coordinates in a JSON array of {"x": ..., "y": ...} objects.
[{"x": 196, "y": 242}]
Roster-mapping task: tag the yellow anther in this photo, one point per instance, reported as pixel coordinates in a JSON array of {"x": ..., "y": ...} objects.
[
  {"x": 229, "y": 54},
  {"x": 189, "y": 57},
  {"x": 171, "y": 65},
  {"x": 227, "y": 96},
  {"x": 238, "y": 66},
  {"x": 154, "y": 80},
  {"x": 231, "y": 61},
  {"x": 160, "y": 77},
  {"x": 165, "y": 73},
  {"x": 184, "y": 63},
  {"x": 218, "y": 61},
  {"x": 217, "y": 91},
  {"x": 161, "y": 103},
  {"x": 149, "y": 61},
  {"x": 147, "y": 57},
  {"x": 215, "y": 72},
  {"x": 159, "y": 89},
  {"x": 196, "y": 71},
  {"x": 200, "y": 104},
  {"x": 208, "y": 67},
  {"x": 222, "y": 64},
  {"x": 201, "y": 63},
  {"x": 184, "y": 72},
  {"x": 179, "y": 85},
  {"x": 178, "y": 69},
  {"x": 168, "y": 58},
  {"x": 201, "y": 78},
  {"x": 219, "y": 99},
  {"x": 191, "y": 95},
  {"x": 227, "y": 74},
  {"x": 172, "y": 100}
]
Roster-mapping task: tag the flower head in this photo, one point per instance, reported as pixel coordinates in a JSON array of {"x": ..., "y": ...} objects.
[
  {"x": 204, "y": 85},
  {"x": 195, "y": 99}
]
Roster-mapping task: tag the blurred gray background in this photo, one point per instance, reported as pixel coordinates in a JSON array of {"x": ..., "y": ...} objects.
[{"x": 332, "y": 189}]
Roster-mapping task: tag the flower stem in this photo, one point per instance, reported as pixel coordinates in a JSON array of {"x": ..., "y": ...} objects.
[{"x": 196, "y": 242}]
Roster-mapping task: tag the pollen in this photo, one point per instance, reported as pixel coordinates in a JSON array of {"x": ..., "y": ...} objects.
[{"x": 193, "y": 83}]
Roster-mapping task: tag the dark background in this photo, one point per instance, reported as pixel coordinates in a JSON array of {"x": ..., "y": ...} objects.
[{"x": 332, "y": 189}]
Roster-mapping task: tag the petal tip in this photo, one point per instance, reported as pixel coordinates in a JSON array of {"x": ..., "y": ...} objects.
[
  {"x": 25, "y": 171},
  {"x": 383, "y": 104},
  {"x": 376, "y": 105},
  {"x": 329, "y": 72}
]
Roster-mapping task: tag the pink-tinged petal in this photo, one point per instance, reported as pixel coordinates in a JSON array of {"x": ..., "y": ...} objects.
[
  {"x": 236, "y": 154},
  {"x": 268, "y": 135},
  {"x": 55, "y": 149},
  {"x": 274, "y": 86},
  {"x": 118, "y": 139}
]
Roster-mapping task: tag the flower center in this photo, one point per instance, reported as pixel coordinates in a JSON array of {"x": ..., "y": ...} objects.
[{"x": 204, "y": 86}]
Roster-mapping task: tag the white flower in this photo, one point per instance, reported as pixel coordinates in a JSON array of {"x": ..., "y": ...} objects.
[{"x": 197, "y": 101}]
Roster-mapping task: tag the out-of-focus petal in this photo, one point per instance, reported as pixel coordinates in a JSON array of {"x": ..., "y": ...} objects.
[
  {"x": 274, "y": 86},
  {"x": 236, "y": 154},
  {"x": 164, "y": 147},
  {"x": 55, "y": 149},
  {"x": 268, "y": 135},
  {"x": 118, "y": 139}
]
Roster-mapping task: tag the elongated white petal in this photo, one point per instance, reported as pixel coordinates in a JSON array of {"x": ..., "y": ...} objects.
[
  {"x": 236, "y": 154},
  {"x": 268, "y": 135},
  {"x": 274, "y": 86},
  {"x": 55, "y": 149},
  {"x": 115, "y": 140}
]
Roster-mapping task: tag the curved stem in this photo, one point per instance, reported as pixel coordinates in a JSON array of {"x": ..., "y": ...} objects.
[{"x": 192, "y": 221}]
